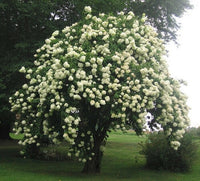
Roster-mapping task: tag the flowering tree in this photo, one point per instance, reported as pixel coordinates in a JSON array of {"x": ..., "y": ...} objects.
[{"x": 99, "y": 74}]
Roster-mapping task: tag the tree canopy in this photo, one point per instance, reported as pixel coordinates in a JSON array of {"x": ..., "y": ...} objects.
[
  {"x": 25, "y": 24},
  {"x": 102, "y": 73},
  {"x": 162, "y": 15}
]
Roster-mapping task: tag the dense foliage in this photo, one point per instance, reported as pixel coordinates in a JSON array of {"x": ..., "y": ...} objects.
[
  {"x": 96, "y": 75},
  {"x": 24, "y": 26},
  {"x": 160, "y": 155}
]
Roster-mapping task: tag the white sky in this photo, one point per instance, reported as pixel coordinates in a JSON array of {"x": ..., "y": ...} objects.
[{"x": 184, "y": 61}]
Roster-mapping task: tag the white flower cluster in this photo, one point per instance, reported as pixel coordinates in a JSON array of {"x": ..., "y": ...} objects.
[{"x": 109, "y": 66}]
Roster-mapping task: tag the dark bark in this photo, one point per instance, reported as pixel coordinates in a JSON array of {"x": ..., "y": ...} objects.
[
  {"x": 98, "y": 122},
  {"x": 94, "y": 165}
]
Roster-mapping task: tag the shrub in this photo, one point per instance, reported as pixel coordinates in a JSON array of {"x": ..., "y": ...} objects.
[
  {"x": 198, "y": 131},
  {"x": 194, "y": 132},
  {"x": 160, "y": 155}
]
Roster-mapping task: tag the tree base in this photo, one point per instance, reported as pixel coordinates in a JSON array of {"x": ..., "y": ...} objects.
[
  {"x": 94, "y": 165},
  {"x": 91, "y": 168}
]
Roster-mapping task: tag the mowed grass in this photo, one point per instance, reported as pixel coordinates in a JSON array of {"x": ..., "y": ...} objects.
[{"x": 121, "y": 161}]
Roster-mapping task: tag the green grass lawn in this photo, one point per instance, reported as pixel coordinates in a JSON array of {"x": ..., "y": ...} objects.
[{"x": 121, "y": 162}]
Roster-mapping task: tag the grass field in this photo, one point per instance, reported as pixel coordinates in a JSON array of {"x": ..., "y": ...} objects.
[{"x": 121, "y": 162}]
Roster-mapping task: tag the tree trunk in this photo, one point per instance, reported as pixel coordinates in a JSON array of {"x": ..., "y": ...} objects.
[
  {"x": 94, "y": 165},
  {"x": 4, "y": 131}
]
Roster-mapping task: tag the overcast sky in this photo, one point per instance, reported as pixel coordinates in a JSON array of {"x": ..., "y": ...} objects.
[{"x": 184, "y": 61}]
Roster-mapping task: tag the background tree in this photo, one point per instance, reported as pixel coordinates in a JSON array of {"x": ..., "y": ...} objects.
[
  {"x": 24, "y": 26},
  {"x": 96, "y": 75},
  {"x": 163, "y": 15}
]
